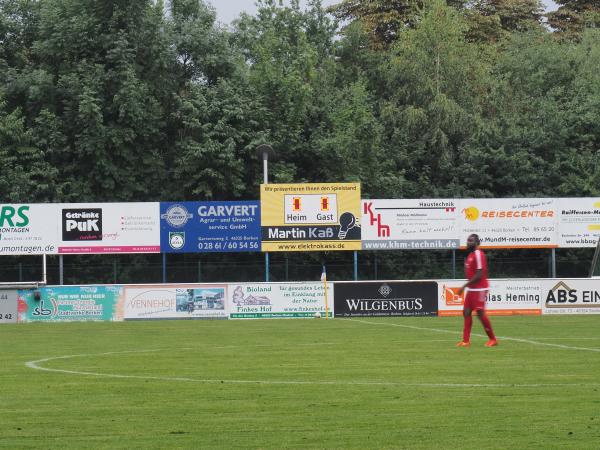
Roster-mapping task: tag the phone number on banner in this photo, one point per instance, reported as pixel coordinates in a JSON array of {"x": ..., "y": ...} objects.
[{"x": 228, "y": 245}]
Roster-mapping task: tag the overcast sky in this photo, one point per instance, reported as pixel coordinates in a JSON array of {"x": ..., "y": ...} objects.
[{"x": 227, "y": 10}]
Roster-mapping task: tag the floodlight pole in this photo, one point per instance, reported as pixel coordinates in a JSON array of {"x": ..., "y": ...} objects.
[
  {"x": 264, "y": 150},
  {"x": 265, "y": 158}
]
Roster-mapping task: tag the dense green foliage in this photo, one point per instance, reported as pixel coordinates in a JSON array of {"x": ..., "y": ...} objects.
[
  {"x": 302, "y": 384},
  {"x": 573, "y": 16},
  {"x": 141, "y": 100}
]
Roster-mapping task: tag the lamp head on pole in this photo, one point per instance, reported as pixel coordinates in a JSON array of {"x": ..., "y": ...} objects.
[{"x": 264, "y": 151}]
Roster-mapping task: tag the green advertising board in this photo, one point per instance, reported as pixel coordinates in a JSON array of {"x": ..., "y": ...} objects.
[{"x": 69, "y": 303}]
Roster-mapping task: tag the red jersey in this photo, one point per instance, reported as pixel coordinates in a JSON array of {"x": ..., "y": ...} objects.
[{"x": 476, "y": 260}]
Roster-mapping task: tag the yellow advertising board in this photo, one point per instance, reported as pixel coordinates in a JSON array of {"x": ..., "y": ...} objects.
[{"x": 310, "y": 217}]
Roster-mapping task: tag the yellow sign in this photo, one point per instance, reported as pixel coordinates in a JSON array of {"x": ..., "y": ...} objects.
[{"x": 310, "y": 217}]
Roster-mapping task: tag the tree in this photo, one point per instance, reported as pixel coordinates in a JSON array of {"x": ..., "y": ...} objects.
[
  {"x": 18, "y": 25},
  {"x": 93, "y": 93},
  {"x": 540, "y": 137},
  {"x": 287, "y": 52},
  {"x": 384, "y": 20},
  {"x": 215, "y": 113},
  {"x": 26, "y": 175},
  {"x": 203, "y": 51},
  {"x": 217, "y": 127},
  {"x": 493, "y": 20},
  {"x": 574, "y": 16},
  {"x": 432, "y": 112},
  {"x": 348, "y": 141}
]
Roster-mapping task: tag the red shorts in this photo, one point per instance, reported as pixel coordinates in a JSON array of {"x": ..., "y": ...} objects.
[{"x": 475, "y": 300}]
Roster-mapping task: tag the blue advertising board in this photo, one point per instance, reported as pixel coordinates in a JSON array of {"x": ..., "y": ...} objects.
[{"x": 192, "y": 227}]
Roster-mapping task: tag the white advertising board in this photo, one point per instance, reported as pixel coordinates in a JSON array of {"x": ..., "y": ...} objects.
[
  {"x": 571, "y": 296},
  {"x": 387, "y": 224},
  {"x": 510, "y": 222},
  {"x": 279, "y": 300},
  {"x": 8, "y": 305},
  {"x": 109, "y": 228},
  {"x": 579, "y": 222},
  {"x": 28, "y": 229},
  {"x": 193, "y": 301},
  {"x": 409, "y": 224},
  {"x": 505, "y": 297}
]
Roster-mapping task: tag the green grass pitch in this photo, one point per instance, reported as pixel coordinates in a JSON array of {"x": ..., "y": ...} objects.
[{"x": 356, "y": 384}]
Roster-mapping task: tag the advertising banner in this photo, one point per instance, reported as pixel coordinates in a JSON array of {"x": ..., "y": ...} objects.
[
  {"x": 310, "y": 217},
  {"x": 28, "y": 229},
  {"x": 510, "y": 222},
  {"x": 189, "y": 227},
  {"x": 109, "y": 228},
  {"x": 69, "y": 303},
  {"x": 505, "y": 298},
  {"x": 409, "y": 224},
  {"x": 571, "y": 296},
  {"x": 182, "y": 301},
  {"x": 579, "y": 222},
  {"x": 386, "y": 298},
  {"x": 8, "y": 305},
  {"x": 279, "y": 300}
]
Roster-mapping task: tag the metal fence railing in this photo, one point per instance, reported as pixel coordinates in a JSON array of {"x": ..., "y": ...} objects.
[{"x": 250, "y": 267}]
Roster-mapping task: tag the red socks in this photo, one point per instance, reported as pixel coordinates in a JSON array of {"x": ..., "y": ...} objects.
[
  {"x": 487, "y": 326},
  {"x": 467, "y": 328}
]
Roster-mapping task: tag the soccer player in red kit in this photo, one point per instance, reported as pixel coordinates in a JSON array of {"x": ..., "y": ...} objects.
[{"x": 477, "y": 287}]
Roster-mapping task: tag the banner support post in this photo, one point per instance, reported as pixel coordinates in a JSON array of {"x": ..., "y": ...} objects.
[
  {"x": 61, "y": 270},
  {"x": 266, "y": 267},
  {"x": 264, "y": 151},
  {"x": 324, "y": 279},
  {"x": 355, "y": 265},
  {"x": 44, "y": 270},
  {"x": 553, "y": 262},
  {"x": 595, "y": 259}
]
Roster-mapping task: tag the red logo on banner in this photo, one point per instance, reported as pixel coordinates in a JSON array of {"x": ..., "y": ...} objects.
[
  {"x": 297, "y": 204},
  {"x": 382, "y": 230},
  {"x": 451, "y": 296}
]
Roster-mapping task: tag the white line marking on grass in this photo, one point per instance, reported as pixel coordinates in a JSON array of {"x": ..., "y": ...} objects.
[
  {"x": 569, "y": 338},
  {"x": 36, "y": 366},
  {"x": 312, "y": 344},
  {"x": 500, "y": 338}
]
